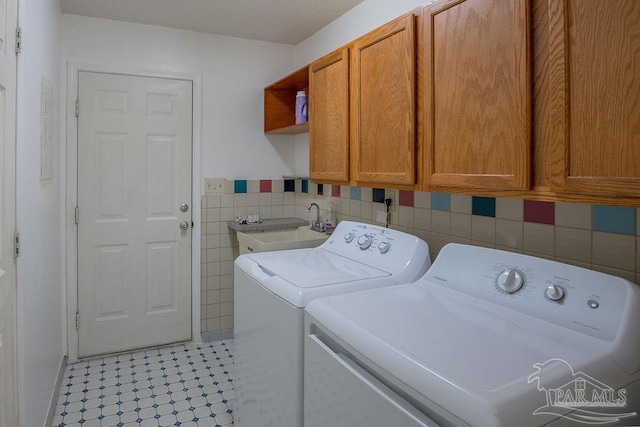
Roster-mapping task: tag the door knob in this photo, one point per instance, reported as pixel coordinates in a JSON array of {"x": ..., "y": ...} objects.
[
  {"x": 184, "y": 225},
  {"x": 184, "y": 207}
]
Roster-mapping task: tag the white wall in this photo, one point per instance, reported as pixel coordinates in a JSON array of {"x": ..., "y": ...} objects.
[
  {"x": 41, "y": 337},
  {"x": 363, "y": 18},
  {"x": 234, "y": 74}
]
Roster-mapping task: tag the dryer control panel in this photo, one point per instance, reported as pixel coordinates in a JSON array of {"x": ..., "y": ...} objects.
[{"x": 583, "y": 300}]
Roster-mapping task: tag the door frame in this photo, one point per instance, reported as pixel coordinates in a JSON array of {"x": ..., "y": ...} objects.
[{"x": 69, "y": 162}]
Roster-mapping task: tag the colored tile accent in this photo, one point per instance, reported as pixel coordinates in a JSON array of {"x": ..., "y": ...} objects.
[
  {"x": 335, "y": 191},
  {"x": 378, "y": 195},
  {"x": 540, "y": 212},
  {"x": 406, "y": 198},
  {"x": 240, "y": 186},
  {"x": 289, "y": 185},
  {"x": 305, "y": 186},
  {"x": 320, "y": 189},
  {"x": 441, "y": 202},
  {"x": 483, "y": 206},
  {"x": 614, "y": 219},
  {"x": 354, "y": 193},
  {"x": 265, "y": 186}
]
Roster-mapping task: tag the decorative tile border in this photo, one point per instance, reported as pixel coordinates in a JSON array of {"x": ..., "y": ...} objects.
[
  {"x": 378, "y": 195},
  {"x": 265, "y": 186},
  {"x": 539, "y": 212},
  {"x": 483, "y": 206},
  {"x": 240, "y": 186},
  {"x": 441, "y": 202},
  {"x": 601, "y": 238},
  {"x": 406, "y": 198},
  {"x": 354, "y": 193},
  {"x": 289, "y": 185},
  {"x": 614, "y": 219}
]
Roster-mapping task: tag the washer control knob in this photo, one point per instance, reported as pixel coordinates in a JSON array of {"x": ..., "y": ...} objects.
[
  {"x": 510, "y": 281},
  {"x": 384, "y": 247},
  {"x": 554, "y": 292},
  {"x": 365, "y": 241},
  {"x": 349, "y": 237}
]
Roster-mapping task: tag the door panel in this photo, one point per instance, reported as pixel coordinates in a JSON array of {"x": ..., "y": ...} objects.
[
  {"x": 383, "y": 104},
  {"x": 594, "y": 86},
  {"x": 134, "y": 172},
  {"x": 329, "y": 117},
  {"x": 8, "y": 319},
  {"x": 477, "y": 101}
]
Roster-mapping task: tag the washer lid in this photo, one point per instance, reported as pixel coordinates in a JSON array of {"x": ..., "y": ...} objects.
[
  {"x": 471, "y": 358},
  {"x": 301, "y": 275},
  {"x": 313, "y": 267}
]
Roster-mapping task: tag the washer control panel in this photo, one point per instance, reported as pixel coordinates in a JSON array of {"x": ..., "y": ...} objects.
[
  {"x": 368, "y": 236},
  {"x": 384, "y": 248},
  {"x": 583, "y": 300}
]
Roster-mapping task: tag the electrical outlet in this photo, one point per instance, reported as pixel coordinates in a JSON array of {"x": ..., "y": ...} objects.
[
  {"x": 214, "y": 185},
  {"x": 393, "y": 195}
]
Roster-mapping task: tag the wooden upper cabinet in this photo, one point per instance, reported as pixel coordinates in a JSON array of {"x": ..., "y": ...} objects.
[
  {"x": 594, "y": 51},
  {"x": 477, "y": 88},
  {"x": 329, "y": 117},
  {"x": 383, "y": 107}
]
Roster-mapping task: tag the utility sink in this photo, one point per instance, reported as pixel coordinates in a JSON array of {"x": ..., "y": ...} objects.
[{"x": 279, "y": 239}]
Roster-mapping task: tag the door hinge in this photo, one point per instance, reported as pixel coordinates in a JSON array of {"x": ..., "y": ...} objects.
[
  {"x": 16, "y": 245},
  {"x": 77, "y": 217},
  {"x": 18, "y": 40},
  {"x": 77, "y": 321},
  {"x": 77, "y": 108}
]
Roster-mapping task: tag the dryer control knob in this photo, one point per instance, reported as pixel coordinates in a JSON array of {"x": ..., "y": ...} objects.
[
  {"x": 510, "y": 281},
  {"x": 365, "y": 241},
  {"x": 384, "y": 247},
  {"x": 554, "y": 292},
  {"x": 349, "y": 237}
]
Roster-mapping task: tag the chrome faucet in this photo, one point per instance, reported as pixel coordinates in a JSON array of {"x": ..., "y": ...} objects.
[{"x": 316, "y": 225}]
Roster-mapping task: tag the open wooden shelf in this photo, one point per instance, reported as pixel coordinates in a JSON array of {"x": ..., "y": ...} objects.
[
  {"x": 291, "y": 130},
  {"x": 280, "y": 103}
]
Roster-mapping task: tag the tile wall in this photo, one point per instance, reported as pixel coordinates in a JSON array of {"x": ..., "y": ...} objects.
[{"x": 602, "y": 238}]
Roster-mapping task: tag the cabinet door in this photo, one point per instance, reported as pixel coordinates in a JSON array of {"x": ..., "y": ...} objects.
[
  {"x": 477, "y": 74},
  {"x": 329, "y": 117},
  {"x": 594, "y": 48},
  {"x": 383, "y": 104}
]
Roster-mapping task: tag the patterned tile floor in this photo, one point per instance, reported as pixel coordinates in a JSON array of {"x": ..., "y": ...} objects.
[{"x": 186, "y": 385}]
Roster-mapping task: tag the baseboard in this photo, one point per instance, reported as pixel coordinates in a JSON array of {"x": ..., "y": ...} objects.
[
  {"x": 225, "y": 334},
  {"x": 56, "y": 390}
]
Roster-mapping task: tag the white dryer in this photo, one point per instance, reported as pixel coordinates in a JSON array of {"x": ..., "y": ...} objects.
[
  {"x": 271, "y": 291},
  {"x": 486, "y": 338}
]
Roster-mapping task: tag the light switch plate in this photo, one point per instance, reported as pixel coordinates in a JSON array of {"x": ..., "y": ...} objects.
[{"x": 214, "y": 185}]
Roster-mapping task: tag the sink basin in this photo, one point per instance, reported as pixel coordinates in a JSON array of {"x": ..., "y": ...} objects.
[{"x": 278, "y": 240}]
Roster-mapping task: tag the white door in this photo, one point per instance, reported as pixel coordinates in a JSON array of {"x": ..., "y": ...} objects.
[
  {"x": 8, "y": 370},
  {"x": 134, "y": 175}
]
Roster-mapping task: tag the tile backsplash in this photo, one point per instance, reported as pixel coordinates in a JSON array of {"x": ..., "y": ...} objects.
[{"x": 602, "y": 238}]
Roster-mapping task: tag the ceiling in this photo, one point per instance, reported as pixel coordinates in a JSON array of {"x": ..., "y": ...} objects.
[{"x": 280, "y": 21}]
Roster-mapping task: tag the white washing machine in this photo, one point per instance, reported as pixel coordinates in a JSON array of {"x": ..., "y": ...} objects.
[
  {"x": 271, "y": 291},
  {"x": 485, "y": 338}
]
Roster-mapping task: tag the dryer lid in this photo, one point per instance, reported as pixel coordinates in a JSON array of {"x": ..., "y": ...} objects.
[{"x": 481, "y": 359}]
